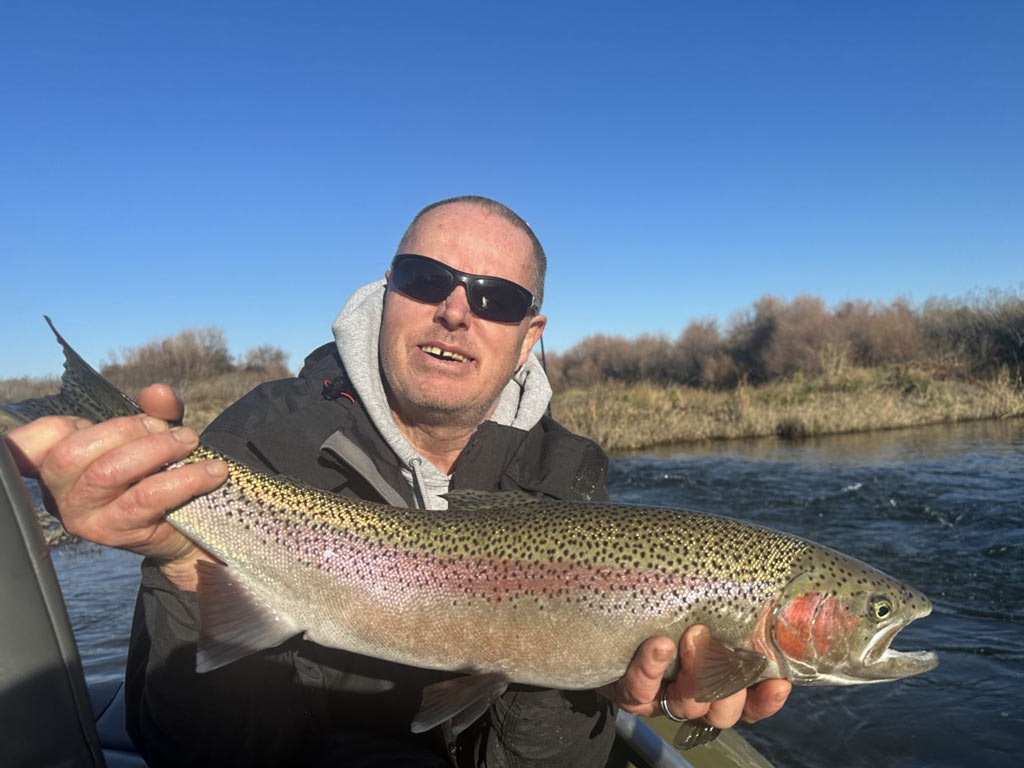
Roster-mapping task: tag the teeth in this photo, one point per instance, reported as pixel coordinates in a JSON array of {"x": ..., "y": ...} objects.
[{"x": 445, "y": 354}]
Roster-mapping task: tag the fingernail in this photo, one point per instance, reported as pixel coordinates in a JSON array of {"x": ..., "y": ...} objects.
[
  {"x": 217, "y": 469},
  {"x": 154, "y": 425},
  {"x": 780, "y": 697},
  {"x": 184, "y": 435},
  {"x": 79, "y": 423},
  {"x": 663, "y": 654}
]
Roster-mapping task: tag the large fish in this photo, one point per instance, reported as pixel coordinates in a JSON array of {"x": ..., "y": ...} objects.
[{"x": 510, "y": 588}]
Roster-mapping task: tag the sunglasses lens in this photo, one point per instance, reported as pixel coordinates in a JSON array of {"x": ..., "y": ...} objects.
[
  {"x": 498, "y": 301},
  {"x": 490, "y": 298},
  {"x": 422, "y": 280}
]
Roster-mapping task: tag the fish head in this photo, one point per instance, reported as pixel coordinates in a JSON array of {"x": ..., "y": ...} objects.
[{"x": 837, "y": 618}]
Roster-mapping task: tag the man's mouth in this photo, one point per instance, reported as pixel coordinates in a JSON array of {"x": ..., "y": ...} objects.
[{"x": 444, "y": 354}]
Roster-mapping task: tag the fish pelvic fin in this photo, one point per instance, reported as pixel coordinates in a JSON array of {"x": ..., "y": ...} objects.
[
  {"x": 234, "y": 621},
  {"x": 693, "y": 733},
  {"x": 720, "y": 671},
  {"x": 461, "y": 700},
  {"x": 83, "y": 392}
]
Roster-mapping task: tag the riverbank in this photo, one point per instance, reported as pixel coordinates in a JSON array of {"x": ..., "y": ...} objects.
[{"x": 632, "y": 416}]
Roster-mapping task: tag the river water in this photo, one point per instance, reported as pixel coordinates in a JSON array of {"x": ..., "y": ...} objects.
[{"x": 941, "y": 508}]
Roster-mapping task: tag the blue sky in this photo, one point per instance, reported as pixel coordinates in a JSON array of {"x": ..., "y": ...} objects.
[{"x": 247, "y": 165}]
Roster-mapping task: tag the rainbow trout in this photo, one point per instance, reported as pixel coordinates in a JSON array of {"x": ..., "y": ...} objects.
[{"x": 509, "y": 588}]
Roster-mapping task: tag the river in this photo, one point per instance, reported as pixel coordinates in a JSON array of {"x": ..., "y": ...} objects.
[{"x": 941, "y": 508}]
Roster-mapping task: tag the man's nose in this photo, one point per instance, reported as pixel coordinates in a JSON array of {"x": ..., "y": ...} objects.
[{"x": 454, "y": 311}]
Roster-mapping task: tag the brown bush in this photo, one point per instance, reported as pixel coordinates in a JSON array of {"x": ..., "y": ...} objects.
[
  {"x": 190, "y": 355},
  {"x": 977, "y": 337},
  {"x": 879, "y": 334}
]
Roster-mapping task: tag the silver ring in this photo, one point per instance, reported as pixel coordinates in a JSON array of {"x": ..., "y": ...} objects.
[{"x": 666, "y": 711}]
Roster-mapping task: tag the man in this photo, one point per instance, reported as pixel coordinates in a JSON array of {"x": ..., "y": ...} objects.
[{"x": 430, "y": 386}]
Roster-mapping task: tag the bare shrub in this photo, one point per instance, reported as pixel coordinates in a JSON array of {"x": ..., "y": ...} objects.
[
  {"x": 986, "y": 332},
  {"x": 271, "y": 361},
  {"x": 25, "y": 387},
  {"x": 190, "y": 355},
  {"x": 701, "y": 357},
  {"x": 878, "y": 334},
  {"x": 803, "y": 339},
  {"x": 975, "y": 337},
  {"x": 750, "y": 333}
]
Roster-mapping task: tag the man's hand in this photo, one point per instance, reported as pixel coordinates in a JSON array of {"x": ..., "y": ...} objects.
[
  {"x": 639, "y": 689},
  {"x": 103, "y": 480}
]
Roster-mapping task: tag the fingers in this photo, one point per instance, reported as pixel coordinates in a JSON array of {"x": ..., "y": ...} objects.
[
  {"x": 638, "y": 689},
  {"x": 136, "y": 518},
  {"x": 161, "y": 401},
  {"x": 754, "y": 703},
  {"x": 725, "y": 713},
  {"x": 31, "y": 443},
  {"x": 105, "y": 483},
  {"x": 765, "y": 699},
  {"x": 679, "y": 693},
  {"x": 101, "y": 460}
]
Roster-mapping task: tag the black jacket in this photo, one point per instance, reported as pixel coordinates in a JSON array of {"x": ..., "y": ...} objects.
[{"x": 305, "y": 704}]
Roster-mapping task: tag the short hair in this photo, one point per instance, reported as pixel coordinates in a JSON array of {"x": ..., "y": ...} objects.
[{"x": 540, "y": 260}]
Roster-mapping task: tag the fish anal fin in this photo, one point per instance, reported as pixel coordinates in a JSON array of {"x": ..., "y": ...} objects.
[
  {"x": 461, "y": 700},
  {"x": 720, "y": 671},
  {"x": 234, "y": 621}
]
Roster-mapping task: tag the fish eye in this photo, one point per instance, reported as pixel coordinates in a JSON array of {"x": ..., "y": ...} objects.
[{"x": 881, "y": 607}]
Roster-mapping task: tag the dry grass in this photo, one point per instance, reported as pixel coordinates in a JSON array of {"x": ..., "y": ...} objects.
[
  {"x": 205, "y": 399},
  {"x": 625, "y": 416}
]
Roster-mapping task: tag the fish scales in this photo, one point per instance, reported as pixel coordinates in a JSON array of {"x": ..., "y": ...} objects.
[{"x": 440, "y": 582}]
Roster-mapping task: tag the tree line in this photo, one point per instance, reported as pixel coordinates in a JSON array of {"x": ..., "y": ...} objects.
[{"x": 975, "y": 337}]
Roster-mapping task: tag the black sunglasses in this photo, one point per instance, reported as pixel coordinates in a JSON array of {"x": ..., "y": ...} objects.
[{"x": 490, "y": 298}]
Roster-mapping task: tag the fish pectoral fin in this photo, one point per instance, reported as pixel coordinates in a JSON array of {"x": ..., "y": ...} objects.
[
  {"x": 693, "y": 733},
  {"x": 720, "y": 671},
  {"x": 234, "y": 621},
  {"x": 461, "y": 700}
]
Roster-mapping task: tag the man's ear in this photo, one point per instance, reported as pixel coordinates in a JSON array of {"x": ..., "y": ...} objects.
[{"x": 533, "y": 333}]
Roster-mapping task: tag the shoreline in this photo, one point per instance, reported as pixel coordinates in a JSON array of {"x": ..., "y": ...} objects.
[{"x": 626, "y": 417}]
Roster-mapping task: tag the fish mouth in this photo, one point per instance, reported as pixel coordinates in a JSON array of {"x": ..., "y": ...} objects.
[{"x": 881, "y": 662}]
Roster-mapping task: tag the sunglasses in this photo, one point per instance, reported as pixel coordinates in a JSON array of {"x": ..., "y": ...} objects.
[{"x": 490, "y": 298}]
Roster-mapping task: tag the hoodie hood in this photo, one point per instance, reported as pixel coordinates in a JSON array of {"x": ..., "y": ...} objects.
[{"x": 521, "y": 404}]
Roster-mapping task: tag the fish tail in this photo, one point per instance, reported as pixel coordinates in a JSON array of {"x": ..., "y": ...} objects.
[{"x": 83, "y": 392}]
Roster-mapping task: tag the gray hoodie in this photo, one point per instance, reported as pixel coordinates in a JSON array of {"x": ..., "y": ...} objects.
[{"x": 521, "y": 404}]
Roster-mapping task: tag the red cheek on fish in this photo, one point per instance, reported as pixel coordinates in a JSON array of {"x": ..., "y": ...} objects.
[
  {"x": 795, "y": 623},
  {"x": 834, "y": 622}
]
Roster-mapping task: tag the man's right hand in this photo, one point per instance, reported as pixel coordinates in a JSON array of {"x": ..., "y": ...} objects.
[{"x": 103, "y": 480}]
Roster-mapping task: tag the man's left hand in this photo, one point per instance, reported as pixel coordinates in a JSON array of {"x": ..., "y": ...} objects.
[{"x": 639, "y": 689}]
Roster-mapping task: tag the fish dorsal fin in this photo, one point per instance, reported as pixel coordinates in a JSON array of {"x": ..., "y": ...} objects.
[
  {"x": 467, "y": 499},
  {"x": 461, "y": 700},
  {"x": 83, "y": 392},
  {"x": 234, "y": 621},
  {"x": 720, "y": 671}
]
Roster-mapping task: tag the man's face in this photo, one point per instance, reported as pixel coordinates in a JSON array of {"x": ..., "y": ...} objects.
[{"x": 423, "y": 388}]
